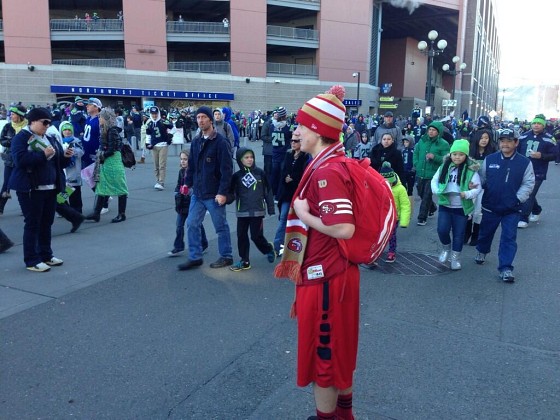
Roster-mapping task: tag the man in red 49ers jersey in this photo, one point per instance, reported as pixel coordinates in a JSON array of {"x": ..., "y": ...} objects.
[{"x": 327, "y": 285}]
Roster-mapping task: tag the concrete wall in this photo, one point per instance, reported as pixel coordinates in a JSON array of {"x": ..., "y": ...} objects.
[
  {"x": 344, "y": 49},
  {"x": 248, "y": 38},
  {"x": 19, "y": 84},
  {"x": 27, "y": 35},
  {"x": 145, "y": 48},
  {"x": 344, "y": 46}
]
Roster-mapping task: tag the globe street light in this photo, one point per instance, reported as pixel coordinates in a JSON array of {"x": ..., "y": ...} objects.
[
  {"x": 357, "y": 74},
  {"x": 454, "y": 72},
  {"x": 431, "y": 52}
]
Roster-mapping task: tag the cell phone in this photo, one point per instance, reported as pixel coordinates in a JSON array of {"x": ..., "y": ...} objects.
[{"x": 70, "y": 146}]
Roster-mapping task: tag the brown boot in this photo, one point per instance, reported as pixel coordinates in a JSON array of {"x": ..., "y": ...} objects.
[{"x": 142, "y": 160}]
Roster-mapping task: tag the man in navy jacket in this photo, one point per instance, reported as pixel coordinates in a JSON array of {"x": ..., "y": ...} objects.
[
  {"x": 508, "y": 179},
  {"x": 209, "y": 177},
  {"x": 539, "y": 146}
]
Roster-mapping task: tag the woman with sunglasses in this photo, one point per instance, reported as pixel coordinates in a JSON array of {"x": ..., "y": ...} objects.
[
  {"x": 37, "y": 178},
  {"x": 293, "y": 166}
]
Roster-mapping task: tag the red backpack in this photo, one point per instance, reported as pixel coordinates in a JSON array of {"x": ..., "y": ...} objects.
[{"x": 374, "y": 211}]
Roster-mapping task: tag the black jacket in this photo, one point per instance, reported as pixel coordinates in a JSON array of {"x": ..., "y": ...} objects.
[
  {"x": 295, "y": 169},
  {"x": 252, "y": 190},
  {"x": 8, "y": 132},
  {"x": 391, "y": 154}
]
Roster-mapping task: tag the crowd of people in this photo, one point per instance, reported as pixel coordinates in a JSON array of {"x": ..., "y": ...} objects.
[{"x": 474, "y": 177}]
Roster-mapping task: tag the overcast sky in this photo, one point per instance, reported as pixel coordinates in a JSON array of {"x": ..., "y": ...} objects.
[{"x": 529, "y": 34}]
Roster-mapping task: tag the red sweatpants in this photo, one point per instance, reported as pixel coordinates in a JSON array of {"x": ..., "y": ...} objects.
[{"x": 328, "y": 324}]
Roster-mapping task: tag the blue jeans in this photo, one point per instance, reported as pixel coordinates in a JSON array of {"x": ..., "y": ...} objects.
[
  {"x": 532, "y": 205},
  {"x": 451, "y": 220},
  {"x": 179, "y": 243},
  {"x": 197, "y": 211},
  {"x": 508, "y": 239},
  {"x": 38, "y": 209},
  {"x": 7, "y": 173},
  {"x": 281, "y": 230},
  {"x": 275, "y": 175}
]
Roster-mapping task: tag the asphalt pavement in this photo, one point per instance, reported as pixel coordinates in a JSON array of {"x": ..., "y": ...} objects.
[{"x": 118, "y": 333}]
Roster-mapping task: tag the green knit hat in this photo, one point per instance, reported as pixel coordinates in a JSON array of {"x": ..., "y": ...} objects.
[
  {"x": 539, "y": 119},
  {"x": 460, "y": 146},
  {"x": 66, "y": 126}
]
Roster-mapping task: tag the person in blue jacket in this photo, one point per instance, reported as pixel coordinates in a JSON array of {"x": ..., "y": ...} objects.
[
  {"x": 539, "y": 146},
  {"x": 507, "y": 178},
  {"x": 37, "y": 178}
]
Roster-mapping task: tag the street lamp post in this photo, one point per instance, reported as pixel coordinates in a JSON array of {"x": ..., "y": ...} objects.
[
  {"x": 454, "y": 72},
  {"x": 431, "y": 52},
  {"x": 357, "y": 74}
]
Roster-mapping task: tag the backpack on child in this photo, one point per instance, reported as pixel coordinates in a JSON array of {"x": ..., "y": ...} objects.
[{"x": 374, "y": 211}]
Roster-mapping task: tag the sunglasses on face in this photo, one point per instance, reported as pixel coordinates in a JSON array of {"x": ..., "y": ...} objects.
[{"x": 46, "y": 123}]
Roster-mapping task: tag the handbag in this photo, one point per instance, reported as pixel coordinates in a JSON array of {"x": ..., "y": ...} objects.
[
  {"x": 128, "y": 158},
  {"x": 88, "y": 175}
]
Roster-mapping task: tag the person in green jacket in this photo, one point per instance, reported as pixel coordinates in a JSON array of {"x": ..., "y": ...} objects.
[
  {"x": 403, "y": 207},
  {"x": 456, "y": 184},
  {"x": 428, "y": 156}
]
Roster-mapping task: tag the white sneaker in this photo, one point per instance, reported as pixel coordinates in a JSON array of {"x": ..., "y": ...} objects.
[
  {"x": 104, "y": 210},
  {"x": 39, "y": 268},
  {"x": 534, "y": 218},
  {"x": 54, "y": 262},
  {"x": 522, "y": 225},
  {"x": 158, "y": 186}
]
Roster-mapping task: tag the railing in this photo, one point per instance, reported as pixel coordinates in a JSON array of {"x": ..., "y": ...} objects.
[
  {"x": 197, "y": 27},
  {"x": 309, "y": 70},
  {"x": 101, "y": 62},
  {"x": 292, "y": 33},
  {"x": 81, "y": 25},
  {"x": 200, "y": 66}
]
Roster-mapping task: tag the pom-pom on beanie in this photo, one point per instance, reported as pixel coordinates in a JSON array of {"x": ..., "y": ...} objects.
[
  {"x": 388, "y": 173},
  {"x": 324, "y": 114}
]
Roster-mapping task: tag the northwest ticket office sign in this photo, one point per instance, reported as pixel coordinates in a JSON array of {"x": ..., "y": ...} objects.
[{"x": 150, "y": 93}]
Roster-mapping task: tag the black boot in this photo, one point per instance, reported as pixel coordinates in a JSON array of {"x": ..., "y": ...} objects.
[
  {"x": 96, "y": 215},
  {"x": 468, "y": 231},
  {"x": 70, "y": 214},
  {"x": 474, "y": 237},
  {"x": 122, "y": 209},
  {"x": 3, "y": 201},
  {"x": 5, "y": 242}
]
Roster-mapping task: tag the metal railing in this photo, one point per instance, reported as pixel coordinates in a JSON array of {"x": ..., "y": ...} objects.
[
  {"x": 101, "y": 62},
  {"x": 292, "y": 33},
  {"x": 308, "y": 70},
  {"x": 197, "y": 27},
  {"x": 80, "y": 25},
  {"x": 200, "y": 66}
]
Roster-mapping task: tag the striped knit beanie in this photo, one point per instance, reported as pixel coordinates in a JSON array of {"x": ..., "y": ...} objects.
[{"x": 324, "y": 114}]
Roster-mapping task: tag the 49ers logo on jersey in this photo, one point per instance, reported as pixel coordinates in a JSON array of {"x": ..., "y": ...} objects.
[
  {"x": 295, "y": 245},
  {"x": 327, "y": 208}
]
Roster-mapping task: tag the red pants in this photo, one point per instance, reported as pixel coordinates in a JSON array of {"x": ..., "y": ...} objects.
[{"x": 328, "y": 319}]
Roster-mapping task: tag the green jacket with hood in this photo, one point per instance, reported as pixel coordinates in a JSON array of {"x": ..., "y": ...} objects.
[{"x": 438, "y": 146}]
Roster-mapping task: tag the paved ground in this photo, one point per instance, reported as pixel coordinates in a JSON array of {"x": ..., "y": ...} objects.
[{"x": 117, "y": 332}]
